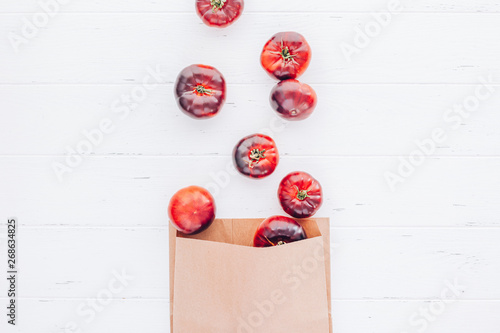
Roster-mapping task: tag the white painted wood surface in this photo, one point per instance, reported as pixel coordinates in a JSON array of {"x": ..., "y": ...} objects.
[
  {"x": 394, "y": 253},
  {"x": 260, "y": 6},
  {"x": 118, "y": 48},
  {"x": 124, "y": 191},
  {"x": 129, "y": 315},
  {"x": 366, "y": 120}
]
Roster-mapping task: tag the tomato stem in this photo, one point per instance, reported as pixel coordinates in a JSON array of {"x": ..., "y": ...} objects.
[
  {"x": 256, "y": 155},
  {"x": 201, "y": 90},
  {"x": 217, "y": 4},
  {"x": 277, "y": 244},
  {"x": 301, "y": 194},
  {"x": 285, "y": 53}
]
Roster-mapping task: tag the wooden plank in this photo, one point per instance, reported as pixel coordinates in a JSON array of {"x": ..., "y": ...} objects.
[
  {"x": 126, "y": 315},
  {"x": 386, "y": 264},
  {"x": 90, "y": 316},
  {"x": 119, "y": 48},
  {"x": 134, "y": 191},
  {"x": 260, "y": 6},
  {"x": 405, "y": 316},
  {"x": 387, "y": 120}
]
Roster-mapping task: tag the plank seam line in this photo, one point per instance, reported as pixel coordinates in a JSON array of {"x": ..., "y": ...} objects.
[
  {"x": 166, "y": 227},
  {"x": 139, "y": 299},
  {"x": 70, "y": 84},
  {"x": 298, "y": 12},
  {"x": 144, "y": 156}
]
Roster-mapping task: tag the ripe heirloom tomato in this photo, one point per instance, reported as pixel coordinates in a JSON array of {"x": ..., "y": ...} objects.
[
  {"x": 256, "y": 156},
  {"x": 219, "y": 13},
  {"x": 300, "y": 194},
  {"x": 293, "y": 100},
  {"x": 191, "y": 210},
  {"x": 286, "y": 55},
  {"x": 200, "y": 91},
  {"x": 278, "y": 230}
]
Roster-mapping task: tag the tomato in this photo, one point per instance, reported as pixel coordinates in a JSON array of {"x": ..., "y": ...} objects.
[
  {"x": 191, "y": 210},
  {"x": 219, "y": 13},
  {"x": 256, "y": 156},
  {"x": 293, "y": 100},
  {"x": 300, "y": 194},
  {"x": 278, "y": 230},
  {"x": 286, "y": 55},
  {"x": 200, "y": 91}
]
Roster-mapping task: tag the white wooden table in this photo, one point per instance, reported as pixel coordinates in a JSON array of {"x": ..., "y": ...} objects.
[{"x": 397, "y": 249}]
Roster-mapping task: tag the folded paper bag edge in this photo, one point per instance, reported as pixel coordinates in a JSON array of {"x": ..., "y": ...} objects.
[
  {"x": 268, "y": 248},
  {"x": 241, "y": 231}
]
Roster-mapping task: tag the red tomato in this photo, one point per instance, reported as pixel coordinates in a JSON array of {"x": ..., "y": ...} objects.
[
  {"x": 300, "y": 194},
  {"x": 286, "y": 55},
  {"x": 256, "y": 156},
  {"x": 191, "y": 210},
  {"x": 200, "y": 91},
  {"x": 293, "y": 100},
  {"x": 278, "y": 230},
  {"x": 219, "y": 13}
]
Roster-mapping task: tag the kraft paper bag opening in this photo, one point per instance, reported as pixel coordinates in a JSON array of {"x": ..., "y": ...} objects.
[{"x": 220, "y": 283}]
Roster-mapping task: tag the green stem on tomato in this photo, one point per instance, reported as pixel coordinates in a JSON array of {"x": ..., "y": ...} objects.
[
  {"x": 277, "y": 244},
  {"x": 217, "y": 4},
  {"x": 201, "y": 90},
  {"x": 301, "y": 194},
  {"x": 285, "y": 53},
  {"x": 256, "y": 155}
]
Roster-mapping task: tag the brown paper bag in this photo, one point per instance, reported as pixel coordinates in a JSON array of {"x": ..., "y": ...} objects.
[{"x": 219, "y": 283}]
